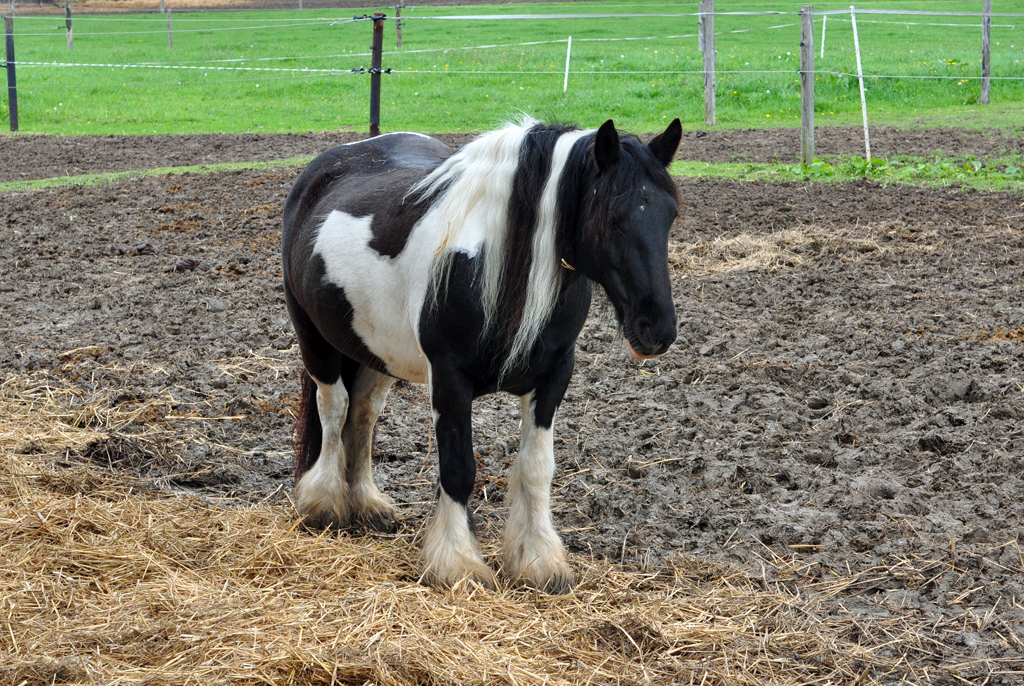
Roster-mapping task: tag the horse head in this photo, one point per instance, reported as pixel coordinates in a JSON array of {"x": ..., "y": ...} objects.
[{"x": 626, "y": 206}]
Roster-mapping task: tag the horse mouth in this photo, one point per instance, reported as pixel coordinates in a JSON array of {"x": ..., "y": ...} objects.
[{"x": 637, "y": 356}]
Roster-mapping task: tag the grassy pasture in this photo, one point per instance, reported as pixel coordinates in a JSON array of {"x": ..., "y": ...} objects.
[{"x": 440, "y": 84}]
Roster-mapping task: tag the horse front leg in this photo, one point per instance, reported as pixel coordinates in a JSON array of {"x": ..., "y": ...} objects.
[
  {"x": 531, "y": 550},
  {"x": 450, "y": 551}
]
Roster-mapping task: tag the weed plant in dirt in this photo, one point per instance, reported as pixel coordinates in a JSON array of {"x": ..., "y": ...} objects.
[{"x": 838, "y": 421}]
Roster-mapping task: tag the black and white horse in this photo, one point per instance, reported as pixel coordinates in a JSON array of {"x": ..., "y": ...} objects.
[{"x": 471, "y": 272}]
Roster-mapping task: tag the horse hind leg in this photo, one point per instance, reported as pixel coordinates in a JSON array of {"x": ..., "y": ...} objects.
[
  {"x": 368, "y": 507},
  {"x": 321, "y": 488},
  {"x": 322, "y": 492}
]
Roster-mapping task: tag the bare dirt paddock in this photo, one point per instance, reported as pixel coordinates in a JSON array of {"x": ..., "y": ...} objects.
[{"x": 835, "y": 440}]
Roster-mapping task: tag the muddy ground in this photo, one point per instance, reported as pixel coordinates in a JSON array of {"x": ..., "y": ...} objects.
[
  {"x": 37, "y": 157},
  {"x": 845, "y": 394}
]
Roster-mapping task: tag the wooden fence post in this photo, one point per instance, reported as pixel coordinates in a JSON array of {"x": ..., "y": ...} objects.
[
  {"x": 398, "y": 26},
  {"x": 986, "y": 39},
  {"x": 376, "y": 61},
  {"x": 67, "y": 23},
  {"x": 707, "y": 31},
  {"x": 12, "y": 83},
  {"x": 170, "y": 34},
  {"x": 807, "y": 84}
]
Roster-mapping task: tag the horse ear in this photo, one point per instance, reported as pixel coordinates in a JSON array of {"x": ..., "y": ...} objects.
[
  {"x": 664, "y": 146},
  {"x": 606, "y": 145}
]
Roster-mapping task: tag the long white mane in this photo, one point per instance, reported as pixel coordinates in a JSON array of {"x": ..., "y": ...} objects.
[{"x": 475, "y": 185}]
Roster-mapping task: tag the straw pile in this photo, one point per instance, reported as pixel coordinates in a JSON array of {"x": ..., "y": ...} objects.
[
  {"x": 768, "y": 252},
  {"x": 107, "y": 581}
]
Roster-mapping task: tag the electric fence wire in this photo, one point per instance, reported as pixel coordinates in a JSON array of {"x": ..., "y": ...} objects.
[
  {"x": 182, "y": 66},
  {"x": 182, "y": 17},
  {"x": 163, "y": 84},
  {"x": 306, "y": 72},
  {"x": 79, "y": 34},
  {"x": 921, "y": 76},
  {"x": 400, "y": 52},
  {"x": 920, "y": 23}
]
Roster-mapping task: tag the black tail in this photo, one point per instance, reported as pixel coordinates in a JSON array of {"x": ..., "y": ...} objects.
[{"x": 307, "y": 433}]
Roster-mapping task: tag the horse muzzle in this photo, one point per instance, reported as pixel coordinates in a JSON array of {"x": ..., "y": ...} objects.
[{"x": 651, "y": 337}]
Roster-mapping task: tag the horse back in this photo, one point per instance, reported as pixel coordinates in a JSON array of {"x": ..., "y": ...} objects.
[{"x": 362, "y": 178}]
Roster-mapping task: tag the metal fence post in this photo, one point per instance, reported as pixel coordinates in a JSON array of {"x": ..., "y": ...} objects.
[
  {"x": 12, "y": 82},
  {"x": 986, "y": 39},
  {"x": 376, "y": 60},
  {"x": 807, "y": 84}
]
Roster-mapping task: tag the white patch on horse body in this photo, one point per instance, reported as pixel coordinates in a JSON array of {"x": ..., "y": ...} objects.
[
  {"x": 450, "y": 553},
  {"x": 531, "y": 548},
  {"x": 543, "y": 285},
  {"x": 386, "y": 293},
  {"x": 322, "y": 492}
]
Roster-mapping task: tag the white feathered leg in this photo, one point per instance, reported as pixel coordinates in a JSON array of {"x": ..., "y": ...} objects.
[
  {"x": 450, "y": 552},
  {"x": 531, "y": 550},
  {"x": 322, "y": 494},
  {"x": 368, "y": 506}
]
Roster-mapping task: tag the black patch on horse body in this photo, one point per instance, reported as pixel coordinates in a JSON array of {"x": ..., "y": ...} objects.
[
  {"x": 453, "y": 327},
  {"x": 392, "y": 227}
]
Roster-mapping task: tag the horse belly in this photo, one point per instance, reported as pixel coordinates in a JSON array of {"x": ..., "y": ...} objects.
[{"x": 385, "y": 293}]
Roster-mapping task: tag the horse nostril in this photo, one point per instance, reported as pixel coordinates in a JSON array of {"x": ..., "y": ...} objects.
[{"x": 642, "y": 326}]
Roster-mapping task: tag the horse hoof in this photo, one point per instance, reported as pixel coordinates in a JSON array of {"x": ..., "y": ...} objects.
[
  {"x": 324, "y": 520},
  {"x": 561, "y": 583},
  {"x": 481, "y": 576},
  {"x": 381, "y": 521}
]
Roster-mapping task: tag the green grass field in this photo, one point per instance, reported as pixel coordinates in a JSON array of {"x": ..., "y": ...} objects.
[{"x": 439, "y": 86}]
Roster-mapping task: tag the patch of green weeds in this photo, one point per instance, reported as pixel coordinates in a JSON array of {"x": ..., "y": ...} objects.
[{"x": 1003, "y": 173}]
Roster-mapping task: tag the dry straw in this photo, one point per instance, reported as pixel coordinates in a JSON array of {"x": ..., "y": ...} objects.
[
  {"x": 106, "y": 580},
  {"x": 768, "y": 252}
]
